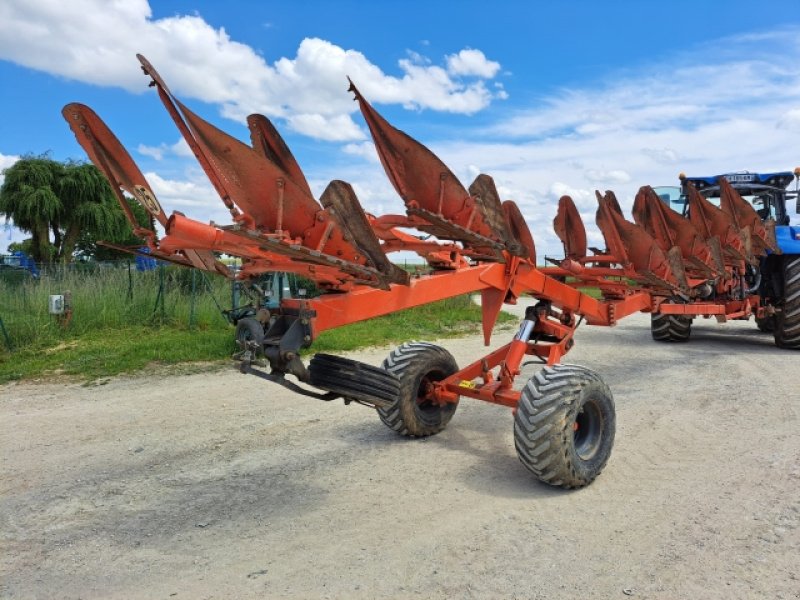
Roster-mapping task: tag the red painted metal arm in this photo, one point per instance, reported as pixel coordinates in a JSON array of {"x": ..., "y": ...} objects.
[{"x": 362, "y": 303}]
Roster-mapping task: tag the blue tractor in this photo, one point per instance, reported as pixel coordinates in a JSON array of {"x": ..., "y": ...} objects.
[{"x": 777, "y": 277}]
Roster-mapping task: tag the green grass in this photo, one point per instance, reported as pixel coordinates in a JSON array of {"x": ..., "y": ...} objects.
[
  {"x": 448, "y": 318},
  {"x": 105, "y": 352},
  {"x": 109, "y": 298},
  {"x": 116, "y": 330}
]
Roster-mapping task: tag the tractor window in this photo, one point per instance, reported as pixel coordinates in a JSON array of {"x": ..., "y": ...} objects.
[
  {"x": 764, "y": 204},
  {"x": 671, "y": 195}
]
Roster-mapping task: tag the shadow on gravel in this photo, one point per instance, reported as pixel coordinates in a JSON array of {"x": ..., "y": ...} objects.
[
  {"x": 496, "y": 470},
  {"x": 483, "y": 433},
  {"x": 165, "y": 499}
]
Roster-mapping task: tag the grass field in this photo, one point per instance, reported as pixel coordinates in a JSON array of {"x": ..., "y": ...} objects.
[{"x": 119, "y": 327}]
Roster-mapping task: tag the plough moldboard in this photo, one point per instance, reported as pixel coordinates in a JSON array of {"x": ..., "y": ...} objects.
[{"x": 665, "y": 263}]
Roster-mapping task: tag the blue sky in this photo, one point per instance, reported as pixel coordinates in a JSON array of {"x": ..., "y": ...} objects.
[{"x": 548, "y": 98}]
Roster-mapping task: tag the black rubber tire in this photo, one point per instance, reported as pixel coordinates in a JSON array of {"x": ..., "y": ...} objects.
[
  {"x": 787, "y": 321},
  {"x": 564, "y": 426},
  {"x": 767, "y": 324},
  {"x": 249, "y": 329},
  {"x": 670, "y": 328},
  {"x": 353, "y": 380},
  {"x": 416, "y": 364}
]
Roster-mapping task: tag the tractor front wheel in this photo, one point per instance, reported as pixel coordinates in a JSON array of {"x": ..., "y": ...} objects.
[
  {"x": 418, "y": 365},
  {"x": 564, "y": 425}
]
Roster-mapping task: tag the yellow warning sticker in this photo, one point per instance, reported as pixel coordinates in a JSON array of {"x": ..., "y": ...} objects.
[{"x": 466, "y": 383}]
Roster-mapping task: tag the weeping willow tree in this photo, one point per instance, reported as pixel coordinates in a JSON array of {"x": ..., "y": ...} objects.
[{"x": 57, "y": 203}]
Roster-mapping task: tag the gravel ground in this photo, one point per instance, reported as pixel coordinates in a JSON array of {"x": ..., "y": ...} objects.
[{"x": 219, "y": 485}]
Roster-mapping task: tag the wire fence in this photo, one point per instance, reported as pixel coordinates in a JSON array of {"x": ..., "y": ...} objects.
[
  {"x": 110, "y": 294},
  {"x": 136, "y": 291}
]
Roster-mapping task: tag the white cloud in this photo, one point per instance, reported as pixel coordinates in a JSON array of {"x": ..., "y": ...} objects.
[
  {"x": 612, "y": 176},
  {"x": 179, "y": 148},
  {"x": 6, "y": 160},
  {"x": 336, "y": 128},
  {"x": 363, "y": 149},
  {"x": 95, "y": 41},
  {"x": 666, "y": 156},
  {"x": 195, "y": 193},
  {"x": 790, "y": 120},
  {"x": 155, "y": 152},
  {"x": 8, "y": 234},
  {"x": 472, "y": 62}
]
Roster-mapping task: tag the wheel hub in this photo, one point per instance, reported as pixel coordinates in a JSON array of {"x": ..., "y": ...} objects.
[{"x": 588, "y": 430}]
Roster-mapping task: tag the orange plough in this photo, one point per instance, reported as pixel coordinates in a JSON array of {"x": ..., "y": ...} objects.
[{"x": 474, "y": 242}]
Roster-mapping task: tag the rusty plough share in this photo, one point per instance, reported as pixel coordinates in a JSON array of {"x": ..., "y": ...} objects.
[{"x": 564, "y": 417}]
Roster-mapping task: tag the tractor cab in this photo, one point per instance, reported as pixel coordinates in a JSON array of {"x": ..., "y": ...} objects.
[{"x": 767, "y": 192}]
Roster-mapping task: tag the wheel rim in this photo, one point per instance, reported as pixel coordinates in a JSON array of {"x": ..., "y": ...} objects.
[
  {"x": 425, "y": 401},
  {"x": 588, "y": 430}
]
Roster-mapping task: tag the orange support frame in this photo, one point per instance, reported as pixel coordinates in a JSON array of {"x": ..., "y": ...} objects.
[{"x": 551, "y": 327}]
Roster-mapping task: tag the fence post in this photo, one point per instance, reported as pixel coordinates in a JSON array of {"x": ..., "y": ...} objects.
[
  {"x": 191, "y": 305},
  {"x": 234, "y": 294},
  {"x": 5, "y": 336},
  {"x": 130, "y": 282},
  {"x": 222, "y": 313},
  {"x": 160, "y": 295}
]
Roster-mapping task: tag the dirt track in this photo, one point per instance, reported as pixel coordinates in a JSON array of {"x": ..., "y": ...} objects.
[{"x": 220, "y": 485}]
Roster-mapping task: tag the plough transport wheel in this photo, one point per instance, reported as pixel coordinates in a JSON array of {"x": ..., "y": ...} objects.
[
  {"x": 418, "y": 365},
  {"x": 787, "y": 322},
  {"x": 249, "y": 330},
  {"x": 353, "y": 380},
  {"x": 564, "y": 425},
  {"x": 670, "y": 328}
]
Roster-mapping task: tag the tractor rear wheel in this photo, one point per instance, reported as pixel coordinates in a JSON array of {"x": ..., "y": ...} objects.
[
  {"x": 418, "y": 365},
  {"x": 787, "y": 322},
  {"x": 564, "y": 425},
  {"x": 670, "y": 328}
]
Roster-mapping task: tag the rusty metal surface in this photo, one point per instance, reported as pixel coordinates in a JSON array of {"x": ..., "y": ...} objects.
[
  {"x": 269, "y": 199},
  {"x": 612, "y": 202},
  {"x": 745, "y": 216},
  {"x": 420, "y": 177},
  {"x": 443, "y": 228},
  {"x": 711, "y": 221},
  {"x": 343, "y": 205},
  {"x": 670, "y": 229},
  {"x": 240, "y": 174},
  {"x": 111, "y": 157},
  {"x": 484, "y": 193},
  {"x": 570, "y": 229},
  {"x": 519, "y": 229},
  {"x": 632, "y": 245},
  {"x": 268, "y": 142}
]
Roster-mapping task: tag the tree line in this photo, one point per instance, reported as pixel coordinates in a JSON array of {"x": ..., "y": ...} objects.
[{"x": 66, "y": 207}]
